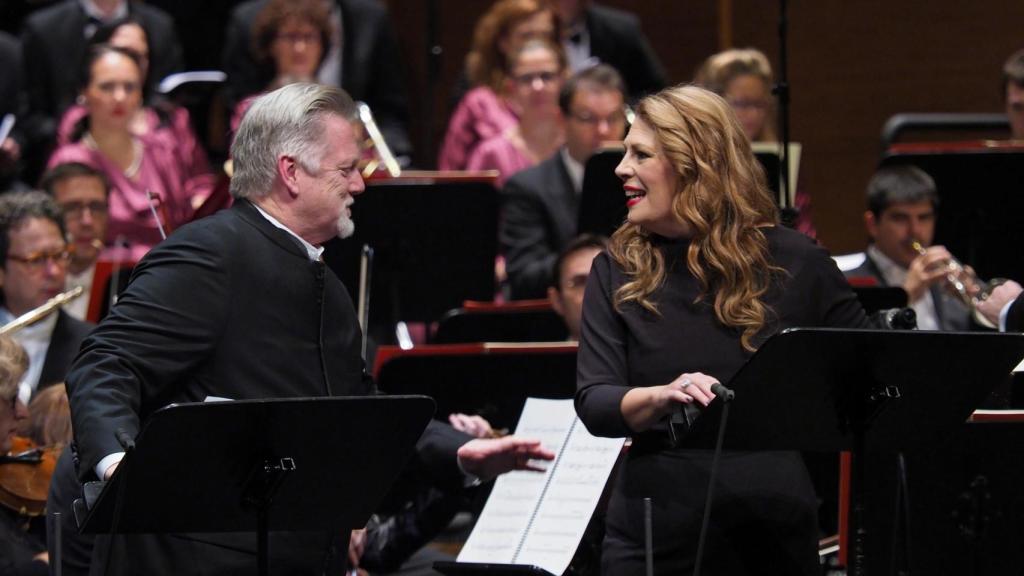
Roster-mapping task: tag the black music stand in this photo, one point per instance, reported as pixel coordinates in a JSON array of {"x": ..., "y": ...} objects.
[
  {"x": 602, "y": 202},
  {"x": 485, "y": 569},
  {"x": 875, "y": 298},
  {"x": 434, "y": 247},
  {"x": 865, "y": 391},
  {"x": 494, "y": 385},
  {"x": 265, "y": 465},
  {"x": 980, "y": 205},
  {"x": 468, "y": 325}
]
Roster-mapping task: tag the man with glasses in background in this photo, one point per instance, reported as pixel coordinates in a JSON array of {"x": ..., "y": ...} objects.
[
  {"x": 540, "y": 205},
  {"x": 81, "y": 192},
  {"x": 35, "y": 263}
]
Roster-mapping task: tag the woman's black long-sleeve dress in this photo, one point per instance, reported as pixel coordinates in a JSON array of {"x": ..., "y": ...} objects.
[{"x": 764, "y": 515}]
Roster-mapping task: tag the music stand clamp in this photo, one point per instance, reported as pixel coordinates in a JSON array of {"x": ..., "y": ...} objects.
[
  {"x": 859, "y": 390},
  {"x": 261, "y": 465}
]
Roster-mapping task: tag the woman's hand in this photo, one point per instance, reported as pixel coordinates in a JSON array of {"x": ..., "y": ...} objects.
[{"x": 643, "y": 407}]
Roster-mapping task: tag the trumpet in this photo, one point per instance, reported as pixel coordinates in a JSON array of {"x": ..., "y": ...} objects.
[
  {"x": 36, "y": 314},
  {"x": 964, "y": 284}
]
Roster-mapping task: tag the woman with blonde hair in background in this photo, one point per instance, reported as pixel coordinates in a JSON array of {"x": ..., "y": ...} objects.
[
  {"x": 699, "y": 276},
  {"x": 743, "y": 76}
]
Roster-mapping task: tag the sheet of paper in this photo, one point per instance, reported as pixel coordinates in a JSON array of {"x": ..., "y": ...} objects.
[{"x": 539, "y": 519}]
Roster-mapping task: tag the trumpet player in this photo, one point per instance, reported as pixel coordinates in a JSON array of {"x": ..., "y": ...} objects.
[{"x": 900, "y": 220}]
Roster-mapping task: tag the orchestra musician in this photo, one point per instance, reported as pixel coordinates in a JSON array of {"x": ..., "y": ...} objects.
[
  {"x": 192, "y": 324},
  {"x": 696, "y": 279},
  {"x": 82, "y": 194},
  {"x": 135, "y": 165},
  {"x": 570, "y": 272},
  {"x": 1013, "y": 92},
  {"x": 485, "y": 110},
  {"x": 535, "y": 76},
  {"x": 743, "y": 76},
  {"x": 901, "y": 210},
  {"x": 35, "y": 261},
  {"x": 21, "y": 552},
  {"x": 540, "y": 205}
]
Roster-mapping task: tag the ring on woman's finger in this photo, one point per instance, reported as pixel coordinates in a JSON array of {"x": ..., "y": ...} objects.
[{"x": 685, "y": 383}]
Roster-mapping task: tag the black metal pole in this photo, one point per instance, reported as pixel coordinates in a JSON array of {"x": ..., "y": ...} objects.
[{"x": 781, "y": 91}]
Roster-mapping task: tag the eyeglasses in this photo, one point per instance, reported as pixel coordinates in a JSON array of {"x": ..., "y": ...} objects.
[
  {"x": 529, "y": 78},
  {"x": 296, "y": 37},
  {"x": 759, "y": 105},
  {"x": 594, "y": 120},
  {"x": 37, "y": 260},
  {"x": 77, "y": 209}
]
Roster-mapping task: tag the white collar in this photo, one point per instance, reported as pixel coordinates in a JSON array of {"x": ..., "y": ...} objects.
[
  {"x": 574, "y": 168},
  {"x": 93, "y": 11},
  {"x": 314, "y": 252}
]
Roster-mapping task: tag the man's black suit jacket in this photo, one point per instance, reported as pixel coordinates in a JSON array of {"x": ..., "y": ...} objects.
[
  {"x": 371, "y": 68},
  {"x": 616, "y": 39},
  {"x": 68, "y": 334},
  {"x": 1015, "y": 316},
  {"x": 951, "y": 314},
  {"x": 228, "y": 306},
  {"x": 54, "y": 49},
  {"x": 539, "y": 218}
]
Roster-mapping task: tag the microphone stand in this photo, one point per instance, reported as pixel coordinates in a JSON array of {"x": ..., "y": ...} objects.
[{"x": 781, "y": 91}]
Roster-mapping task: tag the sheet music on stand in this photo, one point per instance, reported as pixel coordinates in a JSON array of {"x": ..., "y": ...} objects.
[
  {"x": 539, "y": 519},
  {"x": 770, "y": 156}
]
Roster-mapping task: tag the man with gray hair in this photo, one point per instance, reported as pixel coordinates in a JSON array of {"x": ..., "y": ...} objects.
[{"x": 240, "y": 305}]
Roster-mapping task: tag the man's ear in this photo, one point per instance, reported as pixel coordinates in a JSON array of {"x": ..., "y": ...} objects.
[
  {"x": 870, "y": 224},
  {"x": 288, "y": 172},
  {"x": 556, "y": 301}
]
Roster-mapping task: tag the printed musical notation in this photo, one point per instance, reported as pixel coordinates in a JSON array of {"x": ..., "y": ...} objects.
[{"x": 539, "y": 519}]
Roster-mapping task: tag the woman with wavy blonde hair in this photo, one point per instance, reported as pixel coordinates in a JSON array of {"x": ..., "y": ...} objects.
[{"x": 695, "y": 280}]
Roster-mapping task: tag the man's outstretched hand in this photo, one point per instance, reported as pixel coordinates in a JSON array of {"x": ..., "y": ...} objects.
[{"x": 488, "y": 458}]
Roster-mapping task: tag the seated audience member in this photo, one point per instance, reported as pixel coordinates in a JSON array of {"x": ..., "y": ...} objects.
[
  {"x": 21, "y": 552},
  {"x": 290, "y": 38},
  {"x": 81, "y": 192},
  {"x": 595, "y": 34},
  {"x": 1013, "y": 92},
  {"x": 486, "y": 110},
  {"x": 157, "y": 117},
  {"x": 540, "y": 205},
  {"x": 135, "y": 166},
  {"x": 570, "y": 271},
  {"x": 53, "y": 43},
  {"x": 535, "y": 78},
  {"x": 362, "y": 56},
  {"x": 744, "y": 78},
  {"x": 35, "y": 259},
  {"x": 901, "y": 210}
]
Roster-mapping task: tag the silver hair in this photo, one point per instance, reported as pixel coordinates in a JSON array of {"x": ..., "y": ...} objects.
[{"x": 285, "y": 122}]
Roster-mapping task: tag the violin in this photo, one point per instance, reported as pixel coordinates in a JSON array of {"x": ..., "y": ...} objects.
[{"x": 25, "y": 474}]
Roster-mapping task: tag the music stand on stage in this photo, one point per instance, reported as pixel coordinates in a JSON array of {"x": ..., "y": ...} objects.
[
  {"x": 866, "y": 391},
  {"x": 261, "y": 465}
]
